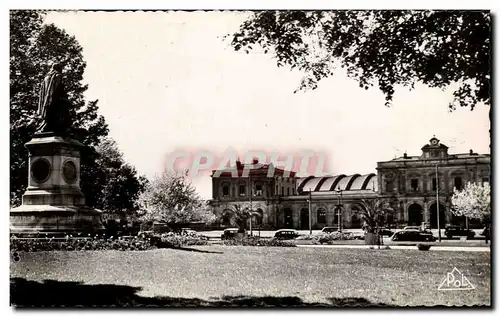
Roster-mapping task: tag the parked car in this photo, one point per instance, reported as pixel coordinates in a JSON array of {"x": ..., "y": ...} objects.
[
  {"x": 456, "y": 230},
  {"x": 286, "y": 234},
  {"x": 330, "y": 229},
  {"x": 417, "y": 228},
  {"x": 188, "y": 231},
  {"x": 229, "y": 233},
  {"x": 412, "y": 235},
  {"x": 385, "y": 232}
]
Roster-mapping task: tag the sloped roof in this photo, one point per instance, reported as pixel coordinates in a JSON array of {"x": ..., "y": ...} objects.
[{"x": 339, "y": 182}]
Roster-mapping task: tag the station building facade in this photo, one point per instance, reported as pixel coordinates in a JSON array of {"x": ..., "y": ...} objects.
[{"x": 411, "y": 184}]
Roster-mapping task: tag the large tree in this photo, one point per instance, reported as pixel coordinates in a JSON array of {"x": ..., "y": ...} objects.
[
  {"x": 172, "y": 200},
  {"x": 473, "y": 201},
  {"x": 33, "y": 47},
  {"x": 374, "y": 213},
  {"x": 380, "y": 48},
  {"x": 118, "y": 183},
  {"x": 241, "y": 214}
]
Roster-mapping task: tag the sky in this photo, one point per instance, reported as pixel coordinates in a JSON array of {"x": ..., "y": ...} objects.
[{"x": 167, "y": 81}]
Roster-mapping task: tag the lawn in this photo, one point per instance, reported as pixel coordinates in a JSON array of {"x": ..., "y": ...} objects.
[{"x": 218, "y": 276}]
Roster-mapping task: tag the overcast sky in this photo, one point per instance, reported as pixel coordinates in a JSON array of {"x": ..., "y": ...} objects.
[{"x": 168, "y": 80}]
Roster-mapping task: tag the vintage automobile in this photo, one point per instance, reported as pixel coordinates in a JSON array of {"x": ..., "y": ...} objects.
[
  {"x": 229, "y": 233},
  {"x": 188, "y": 231},
  {"x": 412, "y": 235},
  {"x": 456, "y": 230},
  {"x": 330, "y": 229},
  {"x": 416, "y": 228},
  {"x": 385, "y": 232},
  {"x": 286, "y": 234}
]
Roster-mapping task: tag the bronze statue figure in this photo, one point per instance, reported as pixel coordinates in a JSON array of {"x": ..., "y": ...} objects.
[{"x": 52, "y": 104}]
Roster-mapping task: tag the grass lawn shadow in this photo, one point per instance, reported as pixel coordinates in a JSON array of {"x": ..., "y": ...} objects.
[
  {"x": 192, "y": 250},
  {"x": 57, "y": 294}
]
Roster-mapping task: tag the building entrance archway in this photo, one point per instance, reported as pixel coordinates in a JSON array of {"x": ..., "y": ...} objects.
[
  {"x": 304, "y": 219},
  {"x": 434, "y": 217},
  {"x": 415, "y": 215}
]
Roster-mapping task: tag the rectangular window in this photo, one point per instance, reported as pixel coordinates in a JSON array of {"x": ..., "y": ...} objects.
[
  {"x": 293, "y": 191},
  {"x": 458, "y": 183},
  {"x": 414, "y": 185},
  {"x": 434, "y": 184},
  {"x": 287, "y": 191},
  {"x": 225, "y": 190},
  {"x": 389, "y": 187},
  {"x": 486, "y": 179},
  {"x": 242, "y": 190},
  {"x": 282, "y": 191},
  {"x": 258, "y": 190}
]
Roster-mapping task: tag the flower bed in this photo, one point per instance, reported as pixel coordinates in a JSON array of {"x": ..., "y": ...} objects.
[
  {"x": 171, "y": 240},
  {"x": 141, "y": 242},
  {"x": 78, "y": 244},
  {"x": 261, "y": 242},
  {"x": 326, "y": 238}
]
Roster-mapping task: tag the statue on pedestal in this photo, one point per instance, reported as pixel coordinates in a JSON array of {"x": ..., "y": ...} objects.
[
  {"x": 53, "y": 105},
  {"x": 53, "y": 201}
]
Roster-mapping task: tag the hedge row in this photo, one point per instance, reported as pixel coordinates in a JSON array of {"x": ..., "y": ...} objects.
[
  {"x": 124, "y": 244},
  {"x": 335, "y": 236},
  {"x": 78, "y": 244},
  {"x": 257, "y": 241}
]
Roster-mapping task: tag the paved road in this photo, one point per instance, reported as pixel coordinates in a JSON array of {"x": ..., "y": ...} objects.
[
  {"x": 270, "y": 233},
  {"x": 436, "y": 248}
]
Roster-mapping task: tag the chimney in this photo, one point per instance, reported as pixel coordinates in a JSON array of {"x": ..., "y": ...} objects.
[
  {"x": 405, "y": 156},
  {"x": 471, "y": 152}
]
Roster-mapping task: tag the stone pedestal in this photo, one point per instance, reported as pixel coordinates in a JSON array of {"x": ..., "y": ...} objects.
[{"x": 53, "y": 201}]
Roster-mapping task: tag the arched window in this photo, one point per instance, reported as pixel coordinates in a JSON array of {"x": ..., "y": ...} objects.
[
  {"x": 225, "y": 189},
  {"x": 258, "y": 189},
  {"x": 458, "y": 183},
  {"x": 321, "y": 216},
  {"x": 258, "y": 217},
  {"x": 414, "y": 185},
  {"x": 242, "y": 190}
]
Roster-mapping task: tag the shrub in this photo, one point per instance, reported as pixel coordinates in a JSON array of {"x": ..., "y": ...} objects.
[
  {"x": 423, "y": 247},
  {"x": 326, "y": 238},
  {"x": 261, "y": 242},
  {"x": 171, "y": 240},
  {"x": 79, "y": 244}
]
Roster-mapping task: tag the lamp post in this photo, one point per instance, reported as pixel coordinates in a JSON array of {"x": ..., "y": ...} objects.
[
  {"x": 437, "y": 203},
  {"x": 339, "y": 209},
  {"x": 310, "y": 212},
  {"x": 251, "y": 193}
]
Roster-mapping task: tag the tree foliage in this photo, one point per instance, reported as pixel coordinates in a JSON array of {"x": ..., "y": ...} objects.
[
  {"x": 374, "y": 212},
  {"x": 172, "y": 200},
  {"x": 34, "y": 46},
  {"x": 474, "y": 201},
  {"x": 380, "y": 48},
  {"x": 119, "y": 184},
  {"x": 241, "y": 213},
  {"x": 107, "y": 181}
]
